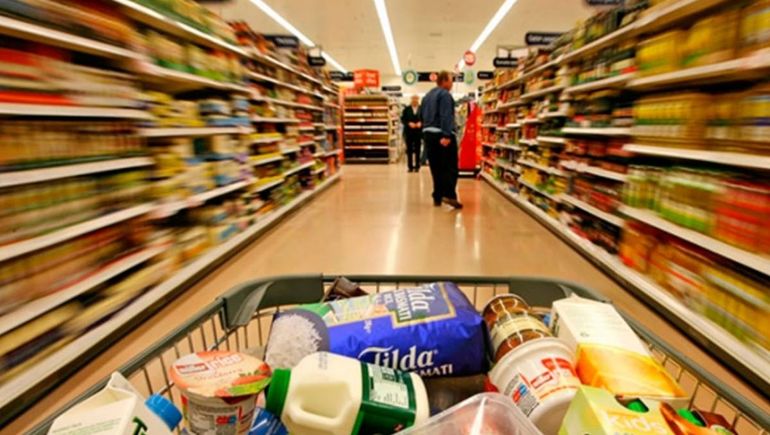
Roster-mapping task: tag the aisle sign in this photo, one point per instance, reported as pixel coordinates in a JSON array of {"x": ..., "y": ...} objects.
[
  {"x": 339, "y": 76},
  {"x": 410, "y": 77},
  {"x": 366, "y": 78},
  {"x": 485, "y": 75},
  {"x": 469, "y": 57},
  {"x": 604, "y": 2},
  {"x": 508, "y": 56},
  {"x": 394, "y": 88},
  {"x": 541, "y": 38},
  {"x": 283, "y": 41},
  {"x": 469, "y": 77},
  {"x": 315, "y": 56},
  {"x": 431, "y": 76}
]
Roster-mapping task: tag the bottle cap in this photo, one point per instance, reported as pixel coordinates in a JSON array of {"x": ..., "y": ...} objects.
[
  {"x": 637, "y": 405},
  {"x": 277, "y": 391},
  {"x": 164, "y": 409},
  {"x": 689, "y": 416}
]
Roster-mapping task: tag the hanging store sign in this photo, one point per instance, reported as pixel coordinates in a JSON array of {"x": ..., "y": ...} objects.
[
  {"x": 469, "y": 58},
  {"x": 339, "y": 76},
  {"x": 366, "y": 78},
  {"x": 508, "y": 56},
  {"x": 315, "y": 56},
  {"x": 469, "y": 77},
  {"x": 283, "y": 41},
  {"x": 505, "y": 62},
  {"x": 541, "y": 38},
  {"x": 395, "y": 88},
  {"x": 410, "y": 77},
  {"x": 432, "y": 76},
  {"x": 485, "y": 75}
]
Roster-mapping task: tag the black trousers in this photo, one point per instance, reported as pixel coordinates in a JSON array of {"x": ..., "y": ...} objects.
[
  {"x": 413, "y": 142},
  {"x": 443, "y": 166}
]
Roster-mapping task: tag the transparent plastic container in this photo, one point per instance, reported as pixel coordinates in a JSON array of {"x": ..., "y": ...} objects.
[{"x": 486, "y": 413}]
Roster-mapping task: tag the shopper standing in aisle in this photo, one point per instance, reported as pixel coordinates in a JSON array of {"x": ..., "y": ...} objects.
[
  {"x": 412, "y": 122},
  {"x": 438, "y": 120}
]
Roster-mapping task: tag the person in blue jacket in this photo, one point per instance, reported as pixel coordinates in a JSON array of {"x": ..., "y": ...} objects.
[{"x": 438, "y": 129}]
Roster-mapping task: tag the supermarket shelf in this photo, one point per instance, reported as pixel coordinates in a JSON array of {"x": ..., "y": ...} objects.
[
  {"x": 367, "y": 159},
  {"x": 532, "y": 187},
  {"x": 508, "y": 167},
  {"x": 593, "y": 170},
  {"x": 170, "y": 80},
  {"x": 749, "y": 259},
  {"x": 260, "y": 162},
  {"x": 16, "y": 178},
  {"x": 601, "y": 43},
  {"x": 38, "y": 33},
  {"x": 607, "y": 217},
  {"x": 319, "y": 137},
  {"x": 299, "y": 168},
  {"x": 513, "y": 103},
  {"x": 167, "y": 24},
  {"x": 547, "y": 169},
  {"x": 330, "y": 127},
  {"x": 610, "y": 82},
  {"x": 489, "y": 125},
  {"x": 263, "y": 78},
  {"x": 70, "y": 111},
  {"x": 530, "y": 73},
  {"x": 366, "y": 147},
  {"x": 721, "y": 72},
  {"x": 507, "y": 146},
  {"x": 35, "y": 308},
  {"x": 268, "y": 186},
  {"x": 551, "y": 139},
  {"x": 202, "y": 131},
  {"x": 267, "y": 139},
  {"x": 662, "y": 17},
  {"x": 530, "y": 142},
  {"x": 365, "y": 120},
  {"x": 330, "y": 104},
  {"x": 609, "y": 131},
  {"x": 35, "y": 244},
  {"x": 286, "y": 103},
  {"x": 332, "y": 153},
  {"x": 553, "y": 115},
  {"x": 69, "y": 358},
  {"x": 291, "y": 150},
  {"x": 270, "y": 60},
  {"x": 319, "y": 171},
  {"x": 541, "y": 92},
  {"x": 306, "y": 143},
  {"x": 220, "y": 191},
  {"x": 715, "y": 339},
  {"x": 721, "y": 157},
  {"x": 531, "y": 121},
  {"x": 275, "y": 120},
  {"x": 513, "y": 125},
  {"x": 489, "y": 145}
]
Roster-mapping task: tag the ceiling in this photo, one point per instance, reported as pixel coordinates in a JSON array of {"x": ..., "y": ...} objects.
[{"x": 429, "y": 34}]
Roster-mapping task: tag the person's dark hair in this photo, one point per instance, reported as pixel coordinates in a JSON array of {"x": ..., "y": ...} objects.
[{"x": 443, "y": 76}]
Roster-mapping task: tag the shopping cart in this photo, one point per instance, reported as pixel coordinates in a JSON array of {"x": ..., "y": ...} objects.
[{"x": 240, "y": 320}]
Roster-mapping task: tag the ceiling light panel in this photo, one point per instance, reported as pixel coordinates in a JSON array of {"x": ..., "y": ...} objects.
[
  {"x": 382, "y": 13},
  {"x": 490, "y": 27}
]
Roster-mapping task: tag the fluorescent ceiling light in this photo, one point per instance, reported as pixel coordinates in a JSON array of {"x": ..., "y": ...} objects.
[
  {"x": 490, "y": 27},
  {"x": 294, "y": 31},
  {"x": 382, "y": 13}
]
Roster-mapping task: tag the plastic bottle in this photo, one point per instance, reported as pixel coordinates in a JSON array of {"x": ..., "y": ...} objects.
[{"x": 336, "y": 395}]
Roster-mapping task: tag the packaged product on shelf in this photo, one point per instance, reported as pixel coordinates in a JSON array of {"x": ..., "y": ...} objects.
[
  {"x": 485, "y": 413},
  {"x": 331, "y": 394},
  {"x": 531, "y": 367},
  {"x": 265, "y": 423},
  {"x": 432, "y": 330},
  {"x": 118, "y": 409},
  {"x": 712, "y": 39},
  {"x": 754, "y": 27},
  {"x": 219, "y": 390},
  {"x": 609, "y": 354}
]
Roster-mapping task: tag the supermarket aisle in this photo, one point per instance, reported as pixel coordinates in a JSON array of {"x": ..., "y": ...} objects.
[{"x": 380, "y": 220}]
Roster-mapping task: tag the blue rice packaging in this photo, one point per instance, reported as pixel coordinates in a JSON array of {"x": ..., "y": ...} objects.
[{"x": 431, "y": 330}]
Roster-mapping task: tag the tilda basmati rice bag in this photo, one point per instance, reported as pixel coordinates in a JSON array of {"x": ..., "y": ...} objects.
[{"x": 431, "y": 330}]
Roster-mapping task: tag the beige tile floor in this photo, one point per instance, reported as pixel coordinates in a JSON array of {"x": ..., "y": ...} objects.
[{"x": 380, "y": 220}]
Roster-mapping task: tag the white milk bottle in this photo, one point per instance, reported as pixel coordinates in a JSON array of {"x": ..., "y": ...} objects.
[{"x": 328, "y": 394}]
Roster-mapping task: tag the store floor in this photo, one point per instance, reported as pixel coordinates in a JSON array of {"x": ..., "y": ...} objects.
[{"x": 380, "y": 220}]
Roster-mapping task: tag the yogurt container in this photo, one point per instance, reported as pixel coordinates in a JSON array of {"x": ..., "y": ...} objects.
[
  {"x": 540, "y": 378},
  {"x": 219, "y": 390}
]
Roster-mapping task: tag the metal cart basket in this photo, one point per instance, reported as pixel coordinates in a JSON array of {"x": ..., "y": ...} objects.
[{"x": 240, "y": 320}]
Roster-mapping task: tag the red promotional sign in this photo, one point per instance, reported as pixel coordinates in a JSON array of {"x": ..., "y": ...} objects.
[
  {"x": 470, "y": 145},
  {"x": 469, "y": 57},
  {"x": 366, "y": 78}
]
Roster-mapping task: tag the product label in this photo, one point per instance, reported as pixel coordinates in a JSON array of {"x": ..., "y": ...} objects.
[
  {"x": 388, "y": 401},
  {"x": 512, "y": 325},
  {"x": 535, "y": 382}
]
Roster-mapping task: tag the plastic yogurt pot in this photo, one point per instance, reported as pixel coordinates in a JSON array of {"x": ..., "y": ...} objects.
[
  {"x": 219, "y": 390},
  {"x": 540, "y": 377}
]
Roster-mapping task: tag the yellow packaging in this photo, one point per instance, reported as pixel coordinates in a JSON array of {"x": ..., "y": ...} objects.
[
  {"x": 609, "y": 354},
  {"x": 595, "y": 411}
]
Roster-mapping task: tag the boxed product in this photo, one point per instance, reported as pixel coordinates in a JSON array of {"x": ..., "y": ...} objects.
[
  {"x": 597, "y": 412},
  {"x": 609, "y": 354},
  {"x": 431, "y": 330}
]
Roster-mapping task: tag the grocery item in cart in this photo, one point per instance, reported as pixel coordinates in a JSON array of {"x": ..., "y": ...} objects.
[
  {"x": 219, "y": 390},
  {"x": 118, "y": 409},
  {"x": 609, "y": 354},
  {"x": 511, "y": 323},
  {"x": 540, "y": 378},
  {"x": 432, "y": 330},
  {"x": 696, "y": 422},
  {"x": 265, "y": 423},
  {"x": 336, "y": 395},
  {"x": 482, "y": 414}
]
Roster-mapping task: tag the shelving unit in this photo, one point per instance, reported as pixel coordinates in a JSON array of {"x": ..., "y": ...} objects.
[
  {"x": 367, "y": 129},
  {"x": 596, "y": 161}
]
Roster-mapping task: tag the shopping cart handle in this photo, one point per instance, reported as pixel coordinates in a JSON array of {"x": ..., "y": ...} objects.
[{"x": 241, "y": 302}]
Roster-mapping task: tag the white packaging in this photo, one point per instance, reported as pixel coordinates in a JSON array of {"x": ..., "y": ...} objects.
[
  {"x": 540, "y": 378},
  {"x": 118, "y": 409}
]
